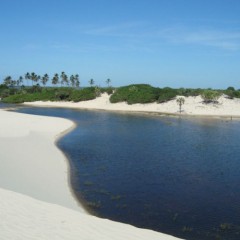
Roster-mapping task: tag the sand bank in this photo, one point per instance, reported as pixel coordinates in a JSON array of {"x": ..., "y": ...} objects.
[
  {"x": 29, "y": 161},
  {"x": 23, "y": 218},
  {"x": 35, "y": 196},
  {"x": 193, "y": 106}
]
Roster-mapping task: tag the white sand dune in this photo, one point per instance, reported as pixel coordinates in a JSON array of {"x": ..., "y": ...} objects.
[
  {"x": 193, "y": 106},
  {"x": 30, "y": 163},
  {"x": 36, "y": 201},
  {"x": 25, "y": 218}
]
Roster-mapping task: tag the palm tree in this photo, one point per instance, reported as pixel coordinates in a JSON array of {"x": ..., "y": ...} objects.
[
  {"x": 7, "y": 80},
  {"x": 72, "y": 80},
  {"x": 34, "y": 77},
  {"x": 38, "y": 78},
  {"x": 13, "y": 83},
  {"x": 20, "y": 80},
  {"x": 64, "y": 79},
  {"x": 55, "y": 79},
  {"x": 91, "y": 82},
  {"x": 108, "y": 81},
  {"x": 77, "y": 82},
  {"x": 180, "y": 102},
  {"x": 44, "y": 79},
  {"x": 27, "y": 77}
]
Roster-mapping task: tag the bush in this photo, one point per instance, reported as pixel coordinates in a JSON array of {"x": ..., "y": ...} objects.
[
  {"x": 108, "y": 90},
  {"x": 83, "y": 94},
  {"x": 232, "y": 93},
  {"x": 189, "y": 92},
  {"x": 209, "y": 96},
  {"x": 97, "y": 91},
  {"x": 166, "y": 94},
  {"x": 231, "y": 88},
  {"x": 34, "y": 89},
  {"x": 5, "y": 93},
  {"x": 62, "y": 95},
  {"x": 52, "y": 94},
  {"x": 14, "y": 99},
  {"x": 137, "y": 93},
  {"x": 21, "y": 97}
]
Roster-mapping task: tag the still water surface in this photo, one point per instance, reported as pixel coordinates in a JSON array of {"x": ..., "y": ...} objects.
[{"x": 177, "y": 176}]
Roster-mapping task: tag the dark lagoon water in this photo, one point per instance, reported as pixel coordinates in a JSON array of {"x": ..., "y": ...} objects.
[{"x": 177, "y": 176}]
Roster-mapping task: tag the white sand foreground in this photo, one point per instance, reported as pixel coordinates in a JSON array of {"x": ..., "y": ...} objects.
[
  {"x": 193, "y": 106},
  {"x": 35, "y": 197}
]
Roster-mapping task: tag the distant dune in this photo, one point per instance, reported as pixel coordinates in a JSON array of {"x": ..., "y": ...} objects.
[{"x": 193, "y": 106}]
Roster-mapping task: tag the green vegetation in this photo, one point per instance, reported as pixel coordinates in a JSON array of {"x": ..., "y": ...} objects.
[
  {"x": 49, "y": 94},
  {"x": 232, "y": 93},
  {"x": 108, "y": 90},
  {"x": 83, "y": 94},
  {"x": 66, "y": 88},
  {"x": 166, "y": 94},
  {"x": 138, "y": 93},
  {"x": 63, "y": 88},
  {"x": 210, "y": 96}
]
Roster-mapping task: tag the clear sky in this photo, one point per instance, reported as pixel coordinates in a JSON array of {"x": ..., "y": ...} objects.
[{"x": 175, "y": 43}]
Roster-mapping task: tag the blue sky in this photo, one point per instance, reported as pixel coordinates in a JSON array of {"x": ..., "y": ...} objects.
[{"x": 176, "y": 43}]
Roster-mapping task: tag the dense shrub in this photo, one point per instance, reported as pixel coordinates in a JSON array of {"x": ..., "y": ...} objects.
[
  {"x": 209, "y": 96},
  {"x": 34, "y": 89},
  {"x": 22, "y": 96},
  {"x": 108, "y": 90},
  {"x": 4, "y": 93},
  {"x": 166, "y": 94},
  {"x": 83, "y": 94},
  {"x": 231, "y": 88},
  {"x": 62, "y": 94},
  {"x": 53, "y": 94},
  {"x": 17, "y": 98},
  {"x": 137, "y": 93},
  {"x": 231, "y": 92},
  {"x": 188, "y": 92},
  {"x": 97, "y": 91},
  {"x": 3, "y": 88}
]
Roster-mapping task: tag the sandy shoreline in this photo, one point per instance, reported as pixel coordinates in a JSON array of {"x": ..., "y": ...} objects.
[
  {"x": 30, "y": 162},
  {"x": 35, "y": 196},
  {"x": 193, "y": 107}
]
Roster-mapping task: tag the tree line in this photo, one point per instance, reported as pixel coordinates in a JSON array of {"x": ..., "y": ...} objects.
[{"x": 57, "y": 80}]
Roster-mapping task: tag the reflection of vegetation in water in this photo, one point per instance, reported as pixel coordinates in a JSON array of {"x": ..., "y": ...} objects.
[
  {"x": 187, "y": 229},
  {"x": 121, "y": 206},
  {"x": 175, "y": 217},
  {"x": 102, "y": 191},
  {"x": 94, "y": 205},
  {"x": 225, "y": 226},
  {"x": 88, "y": 183},
  {"x": 117, "y": 197}
]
